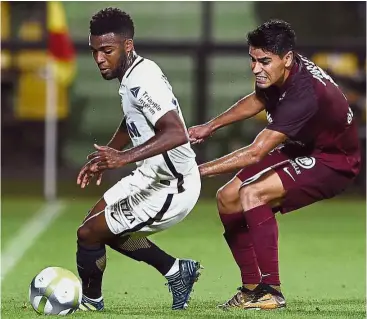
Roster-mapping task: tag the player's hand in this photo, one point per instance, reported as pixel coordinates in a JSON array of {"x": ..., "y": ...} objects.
[
  {"x": 198, "y": 133},
  {"x": 106, "y": 158},
  {"x": 87, "y": 173}
]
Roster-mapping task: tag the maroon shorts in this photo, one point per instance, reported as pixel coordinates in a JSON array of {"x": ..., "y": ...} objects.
[{"x": 305, "y": 179}]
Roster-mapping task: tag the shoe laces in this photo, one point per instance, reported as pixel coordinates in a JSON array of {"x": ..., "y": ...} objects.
[{"x": 259, "y": 292}]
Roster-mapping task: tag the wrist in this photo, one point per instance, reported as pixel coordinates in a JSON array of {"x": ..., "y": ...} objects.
[
  {"x": 122, "y": 159},
  {"x": 202, "y": 170},
  {"x": 212, "y": 126}
]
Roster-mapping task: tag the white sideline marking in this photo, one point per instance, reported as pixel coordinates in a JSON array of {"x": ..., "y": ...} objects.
[{"x": 27, "y": 235}]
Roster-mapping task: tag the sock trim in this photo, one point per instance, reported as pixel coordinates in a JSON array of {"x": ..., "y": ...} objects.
[
  {"x": 93, "y": 300},
  {"x": 174, "y": 269}
]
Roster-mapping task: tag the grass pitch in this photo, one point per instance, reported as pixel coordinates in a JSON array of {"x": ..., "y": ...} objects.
[{"x": 322, "y": 260}]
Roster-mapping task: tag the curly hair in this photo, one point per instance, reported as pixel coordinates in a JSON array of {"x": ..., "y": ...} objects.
[
  {"x": 112, "y": 20},
  {"x": 275, "y": 36}
]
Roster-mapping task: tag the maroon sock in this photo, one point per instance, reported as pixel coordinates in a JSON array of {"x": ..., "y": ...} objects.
[
  {"x": 240, "y": 242},
  {"x": 263, "y": 229}
]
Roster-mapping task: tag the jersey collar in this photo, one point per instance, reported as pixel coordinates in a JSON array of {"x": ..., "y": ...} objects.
[
  {"x": 136, "y": 61},
  {"x": 123, "y": 82}
]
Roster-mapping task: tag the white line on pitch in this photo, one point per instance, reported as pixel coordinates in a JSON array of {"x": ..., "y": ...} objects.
[{"x": 27, "y": 235}]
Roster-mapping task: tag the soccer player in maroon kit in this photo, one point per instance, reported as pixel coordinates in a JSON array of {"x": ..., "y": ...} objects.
[{"x": 309, "y": 151}]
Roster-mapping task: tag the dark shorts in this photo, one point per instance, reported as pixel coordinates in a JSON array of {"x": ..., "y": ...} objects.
[{"x": 305, "y": 179}]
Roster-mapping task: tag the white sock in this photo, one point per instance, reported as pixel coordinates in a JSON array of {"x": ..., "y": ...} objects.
[
  {"x": 175, "y": 268},
  {"x": 94, "y": 300}
]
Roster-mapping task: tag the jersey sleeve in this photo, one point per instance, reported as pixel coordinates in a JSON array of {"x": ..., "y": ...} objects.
[
  {"x": 154, "y": 97},
  {"x": 294, "y": 111}
]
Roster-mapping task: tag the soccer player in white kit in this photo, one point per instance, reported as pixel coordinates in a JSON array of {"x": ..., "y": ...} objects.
[{"x": 166, "y": 184}]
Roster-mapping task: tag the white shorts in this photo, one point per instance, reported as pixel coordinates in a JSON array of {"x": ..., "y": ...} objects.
[{"x": 139, "y": 206}]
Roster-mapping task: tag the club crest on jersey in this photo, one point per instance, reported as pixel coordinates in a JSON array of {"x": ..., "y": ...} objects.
[
  {"x": 134, "y": 91},
  {"x": 306, "y": 162}
]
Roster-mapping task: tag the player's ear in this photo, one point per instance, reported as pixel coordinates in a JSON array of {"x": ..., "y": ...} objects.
[
  {"x": 288, "y": 58},
  {"x": 129, "y": 45}
]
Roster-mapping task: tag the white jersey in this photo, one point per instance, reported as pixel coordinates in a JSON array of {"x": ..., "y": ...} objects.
[{"x": 146, "y": 96}]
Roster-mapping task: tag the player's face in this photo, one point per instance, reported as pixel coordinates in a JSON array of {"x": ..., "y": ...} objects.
[
  {"x": 268, "y": 68},
  {"x": 109, "y": 53}
]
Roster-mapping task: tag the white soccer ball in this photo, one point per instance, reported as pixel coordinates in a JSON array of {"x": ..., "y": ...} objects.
[{"x": 55, "y": 291}]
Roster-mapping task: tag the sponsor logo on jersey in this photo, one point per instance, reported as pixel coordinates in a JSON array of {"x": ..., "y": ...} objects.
[
  {"x": 123, "y": 207},
  {"x": 282, "y": 97},
  {"x": 296, "y": 167},
  {"x": 129, "y": 216},
  {"x": 286, "y": 170},
  {"x": 134, "y": 91},
  {"x": 317, "y": 73},
  {"x": 268, "y": 117},
  {"x": 349, "y": 115},
  {"x": 146, "y": 101}
]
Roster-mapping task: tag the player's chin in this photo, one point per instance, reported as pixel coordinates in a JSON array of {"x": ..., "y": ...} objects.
[
  {"x": 107, "y": 75},
  {"x": 263, "y": 84}
]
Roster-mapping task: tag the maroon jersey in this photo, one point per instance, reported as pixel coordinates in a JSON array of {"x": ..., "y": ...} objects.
[{"x": 315, "y": 115}]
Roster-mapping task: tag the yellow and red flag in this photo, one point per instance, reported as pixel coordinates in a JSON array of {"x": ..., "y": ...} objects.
[
  {"x": 31, "y": 102},
  {"x": 60, "y": 46}
]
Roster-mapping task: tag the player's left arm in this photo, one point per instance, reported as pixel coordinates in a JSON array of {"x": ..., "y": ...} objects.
[
  {"x": 265, "y": 142},
  {"x": 293, "y": 114},
  {"x": 170, "y": 133}
]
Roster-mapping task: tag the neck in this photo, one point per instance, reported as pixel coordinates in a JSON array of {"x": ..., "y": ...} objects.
[
  {"x": 285, "y": 76},
  {"x": 128, "y": 63}
]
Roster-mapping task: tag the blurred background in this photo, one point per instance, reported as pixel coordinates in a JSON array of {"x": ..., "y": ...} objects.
[{"x": 46, "y": 65}]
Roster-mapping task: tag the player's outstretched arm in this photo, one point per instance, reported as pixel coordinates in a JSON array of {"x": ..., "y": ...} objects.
[
  {"x": 265, "y": 142},
  {"x": 245, "y": 108},
  {"x": 170, "y": 133}
]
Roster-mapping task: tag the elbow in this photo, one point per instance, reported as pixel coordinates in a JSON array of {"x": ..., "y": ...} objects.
[
  {"x": 178, "y": 138},
  {"x": 185, "y": 139},
  {"x": 182, "y": 138},
  {"x": 255, "y": 156}
]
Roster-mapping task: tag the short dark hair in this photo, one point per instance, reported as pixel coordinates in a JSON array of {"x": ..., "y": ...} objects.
[
  {"x": 275, "y": 36},
  {"x": 112, "y": 20}
]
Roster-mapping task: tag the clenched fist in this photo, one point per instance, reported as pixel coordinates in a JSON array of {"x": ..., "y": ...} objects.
[{"x": 198, "y": 133}]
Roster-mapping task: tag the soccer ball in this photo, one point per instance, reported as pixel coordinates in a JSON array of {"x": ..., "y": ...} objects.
[{"x": 55, "y": 291}]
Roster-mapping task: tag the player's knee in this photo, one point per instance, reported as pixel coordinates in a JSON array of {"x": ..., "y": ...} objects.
[
  {"x": 226, "y": 200},
  {"x": 83, "y": 233},
  {"x": 221, "y": 197},
  {"x": 86, "y": 235}
]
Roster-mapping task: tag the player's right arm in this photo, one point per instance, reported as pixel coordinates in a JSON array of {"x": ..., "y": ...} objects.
[
  {"x": 245, "y": 108},
  {"x": 119, "y": 140},
  {"x": 121, "y": 137}
]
